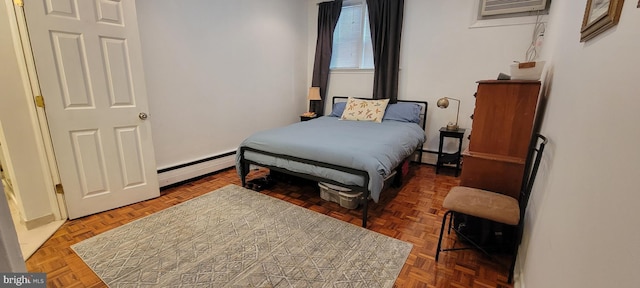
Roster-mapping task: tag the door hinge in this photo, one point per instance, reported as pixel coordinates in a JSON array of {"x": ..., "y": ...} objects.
[
  {"x": 59, "y": 189},
  {"x": 18, "y": 3},
  {"x": 40, "y": 101}
]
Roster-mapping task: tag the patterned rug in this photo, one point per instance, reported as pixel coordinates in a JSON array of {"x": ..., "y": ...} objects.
[{"x": 234, "y": 237}]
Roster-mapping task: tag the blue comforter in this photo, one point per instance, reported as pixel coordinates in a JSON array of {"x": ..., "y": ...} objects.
[{"x": 373, "y": 147}]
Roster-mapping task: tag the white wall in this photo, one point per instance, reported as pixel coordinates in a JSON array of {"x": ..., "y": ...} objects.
[
  {"x": 440, "y": 56},
  {"x": 582, "y": 222},
  {"x": 28, "y": 166},
  {"x": 218, "y": 71}
]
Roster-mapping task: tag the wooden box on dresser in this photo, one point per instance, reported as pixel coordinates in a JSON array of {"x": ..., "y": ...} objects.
[{"x": 500, "y": 135}]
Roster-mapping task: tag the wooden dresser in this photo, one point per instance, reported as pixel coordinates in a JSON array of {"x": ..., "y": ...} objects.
[{"x": 500, "y": 135}]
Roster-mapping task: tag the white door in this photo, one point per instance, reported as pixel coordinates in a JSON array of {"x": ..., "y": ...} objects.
[{"x": 88, "y": 60}]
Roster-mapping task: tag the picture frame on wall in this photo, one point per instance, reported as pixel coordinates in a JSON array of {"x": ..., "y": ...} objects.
[{"x": 599, "y": 16}]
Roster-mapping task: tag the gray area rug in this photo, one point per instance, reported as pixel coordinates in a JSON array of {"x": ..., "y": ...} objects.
[{"x": 234, "y": 237}]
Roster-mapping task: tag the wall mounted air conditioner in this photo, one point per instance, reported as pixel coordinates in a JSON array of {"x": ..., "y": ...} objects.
[{"x": 498, "y": 7}]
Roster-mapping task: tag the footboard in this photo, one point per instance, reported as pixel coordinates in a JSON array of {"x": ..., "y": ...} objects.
[{"x": 364, "y": 198}]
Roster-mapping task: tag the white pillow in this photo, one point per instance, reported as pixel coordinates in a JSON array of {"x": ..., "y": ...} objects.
[{"x": 364, "y": 110}]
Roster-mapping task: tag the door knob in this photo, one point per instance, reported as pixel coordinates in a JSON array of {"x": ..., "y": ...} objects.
[{"x": 143, "y": 116}]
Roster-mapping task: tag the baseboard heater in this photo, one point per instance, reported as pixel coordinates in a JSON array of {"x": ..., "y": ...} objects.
[
  {"x": 182, "y": 173},
  {"x": 186, "y": 172},
  {"x": 429, "y": 157}
]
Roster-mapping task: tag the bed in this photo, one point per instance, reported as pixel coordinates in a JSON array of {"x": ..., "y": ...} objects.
[{"x": 359, "y": 155}]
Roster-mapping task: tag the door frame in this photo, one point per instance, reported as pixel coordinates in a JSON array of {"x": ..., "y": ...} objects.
[{"x": 31, "y": 85}]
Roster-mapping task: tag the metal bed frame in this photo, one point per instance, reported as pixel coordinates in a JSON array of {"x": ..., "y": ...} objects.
[{"x": 364, "y": 198}]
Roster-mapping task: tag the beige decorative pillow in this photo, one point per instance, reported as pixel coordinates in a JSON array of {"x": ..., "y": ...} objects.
[{"x": 364, "y": 110}]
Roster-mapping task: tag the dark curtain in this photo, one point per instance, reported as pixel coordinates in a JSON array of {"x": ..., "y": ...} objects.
[
  {"x": 385, "y": 21},
  {"x": 328, "y": 14}
]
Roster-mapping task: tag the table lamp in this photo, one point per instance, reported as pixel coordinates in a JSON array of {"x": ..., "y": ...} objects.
[
  {"x": 444, "y": 103},
  {"x": 314, "y": 95}
]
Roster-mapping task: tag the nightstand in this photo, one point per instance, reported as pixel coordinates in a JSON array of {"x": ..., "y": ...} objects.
[
  {"x": 450, "y": 158},
  {"x": 307, "y": 118}
]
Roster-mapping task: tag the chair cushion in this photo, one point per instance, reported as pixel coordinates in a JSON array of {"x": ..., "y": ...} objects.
[{"x": 484, "y": 204}]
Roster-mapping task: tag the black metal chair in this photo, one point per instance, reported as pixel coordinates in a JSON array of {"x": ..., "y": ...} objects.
[{"x": 493, "y": 206}]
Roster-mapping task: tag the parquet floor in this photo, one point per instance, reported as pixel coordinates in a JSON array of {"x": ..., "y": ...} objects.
[{"x": 411, "y": 213}]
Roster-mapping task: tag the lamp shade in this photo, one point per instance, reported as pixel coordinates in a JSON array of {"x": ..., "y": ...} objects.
[
  {"x": 443, "y": 102},
  {"x": 314, "y": 93}
]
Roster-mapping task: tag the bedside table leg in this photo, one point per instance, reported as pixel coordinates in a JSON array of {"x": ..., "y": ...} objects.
[
  {"x": 438, "y": 163},
  {"x": 459, "y": 157}
]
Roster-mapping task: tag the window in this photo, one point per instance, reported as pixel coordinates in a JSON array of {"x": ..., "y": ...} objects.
[{"x": 352, "y": 38}]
